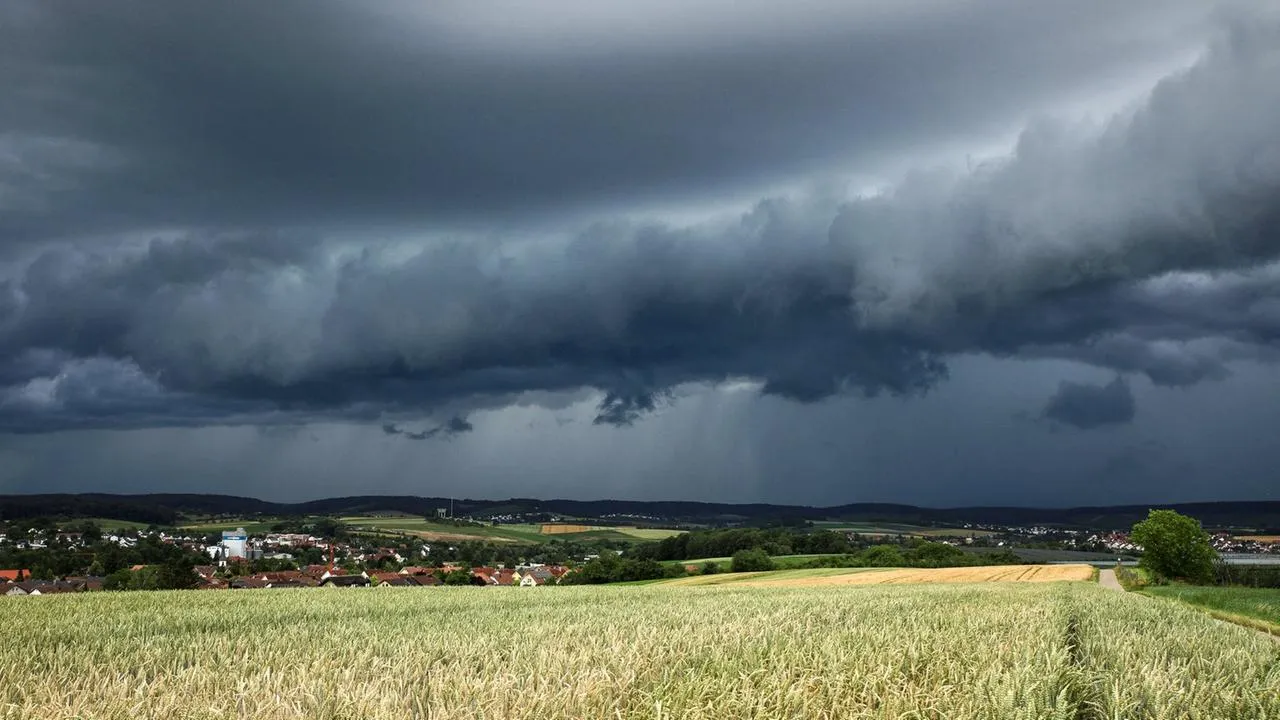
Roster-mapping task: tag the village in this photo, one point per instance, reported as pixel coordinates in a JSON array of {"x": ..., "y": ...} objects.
[
  {"x": 241, "y": 562},
  {"x": 47, "y": 558}
]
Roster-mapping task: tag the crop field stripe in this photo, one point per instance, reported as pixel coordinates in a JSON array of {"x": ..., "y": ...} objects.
[
  {"x": 568, "y": 528},
  {"x": 993, "y": 574}
]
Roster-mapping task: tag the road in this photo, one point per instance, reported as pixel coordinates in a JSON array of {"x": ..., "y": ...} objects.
[{"x": 1107, "y": 579}]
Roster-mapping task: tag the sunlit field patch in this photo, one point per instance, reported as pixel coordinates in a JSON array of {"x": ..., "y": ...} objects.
[{"x": 991, "y": 574}]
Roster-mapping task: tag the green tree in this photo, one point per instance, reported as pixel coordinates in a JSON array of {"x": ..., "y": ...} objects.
[
  {"x": 177, "y": 574},
  {"x": 882, "y": 556},
  {"x": 458, "y": 577},
  {"x": 89, "y": 531},
  {"x": 750, "y": 561},
  {"x": 118, "y": 580},
  {"x": 1175, "y": 546}
]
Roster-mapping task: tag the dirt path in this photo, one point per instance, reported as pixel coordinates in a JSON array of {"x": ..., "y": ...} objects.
[{"x": 1107, "y": 579}]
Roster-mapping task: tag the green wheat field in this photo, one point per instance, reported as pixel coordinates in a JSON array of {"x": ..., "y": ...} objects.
[{"x": 1066, "y": 650}]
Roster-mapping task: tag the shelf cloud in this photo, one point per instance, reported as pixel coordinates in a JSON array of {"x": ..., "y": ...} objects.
[{"x": 257, "y": 215}]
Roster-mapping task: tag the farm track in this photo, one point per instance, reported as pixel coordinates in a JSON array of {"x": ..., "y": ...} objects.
[{"x": 1107, "y": 579}]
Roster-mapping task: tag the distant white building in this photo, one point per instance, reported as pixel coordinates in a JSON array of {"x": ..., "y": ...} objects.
[{"x": 235, "y": 542}]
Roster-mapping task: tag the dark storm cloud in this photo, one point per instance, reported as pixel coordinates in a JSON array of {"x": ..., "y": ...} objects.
[
  {"x": 144, "y": 115},
  {"x": 620, "y": 410},
  {"x": 1070, "y": 248},
  {"x": 454, "y": 426},
  {"x": 1092, "y": 406}
]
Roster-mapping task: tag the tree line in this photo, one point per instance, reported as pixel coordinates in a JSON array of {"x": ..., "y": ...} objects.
[{"x": 723, "y": 543}]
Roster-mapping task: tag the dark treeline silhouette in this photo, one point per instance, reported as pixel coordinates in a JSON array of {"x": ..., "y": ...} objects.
[
  {"x": 723, "y": 543},
  {"x": 165, "y": 509}
]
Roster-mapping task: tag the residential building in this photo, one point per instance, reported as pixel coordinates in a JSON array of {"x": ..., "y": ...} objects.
[{"x": 345, "y": 581}]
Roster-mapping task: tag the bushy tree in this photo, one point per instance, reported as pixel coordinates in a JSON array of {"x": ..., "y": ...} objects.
[
  {"x": 176, "y": 574},
  {"x": 610, "y": 568},
  {"x": 1175, "y": 546},
  {"x": 751, "y": 561},
  {"x": 882, "y": 556},
  {"x": 458, "y": 577},
  {"x": 118, "y": 580}
]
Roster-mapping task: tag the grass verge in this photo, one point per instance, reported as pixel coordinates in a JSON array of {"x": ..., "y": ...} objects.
[{"x": 1257, "y": 608}]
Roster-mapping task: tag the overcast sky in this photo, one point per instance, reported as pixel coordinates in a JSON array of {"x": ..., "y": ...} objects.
[{"x": 935, "y": 252}]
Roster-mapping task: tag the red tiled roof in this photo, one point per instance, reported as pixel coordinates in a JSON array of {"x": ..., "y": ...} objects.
[
  {"x": 488, "y": 578},
  {"x": 248, "y": 582},
  {"x": 281, "y": 575},
  {"x": 12, "y": 575},
  {"x": 346, "y": 580},
  {"x": 397, "y": 579}
]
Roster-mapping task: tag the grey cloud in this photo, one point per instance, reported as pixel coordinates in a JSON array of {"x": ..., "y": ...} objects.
[
  {"x": 458, "y": 424},
  {"x": 1165, "y": 364},
  {"x": 622, "y": 410},
  {"x": 1092, "y": 406},
  {"x": 102, "y": 392},
  {"x": 454, "y": 426},
  {"x": 279, "y": 114},
  {"x": 1057, "y": 251}
]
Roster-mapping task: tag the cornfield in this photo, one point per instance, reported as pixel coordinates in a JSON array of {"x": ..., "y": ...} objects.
[{"x": 1017, "y": 650}]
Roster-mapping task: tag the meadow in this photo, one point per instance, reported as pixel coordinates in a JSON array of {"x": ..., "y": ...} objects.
[
  {"x": 516, "y": 532},
  {"x": 782, "y": 562},
  {"x": 261, "y": 525},
  {"x": 1065, "y": 650},
  {"x": 1256, "y": 607},
  {"x": 865, "y": 528},
  {"x": 111, "y": 525},
  {"x": 780, "y": 576}
]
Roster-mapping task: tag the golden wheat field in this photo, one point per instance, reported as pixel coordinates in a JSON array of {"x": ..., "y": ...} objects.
[
  {"x": 567, "y": 528},
  {"x": 998, "y": 573},
  {"x": 1002, "y": 651}
]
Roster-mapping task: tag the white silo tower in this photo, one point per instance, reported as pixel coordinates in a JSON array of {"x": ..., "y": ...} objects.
[{"x": 235, "y": 542}]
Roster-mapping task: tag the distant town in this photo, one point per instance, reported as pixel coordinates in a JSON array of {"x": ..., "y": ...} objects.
[{"x": 48, "y": 555}]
